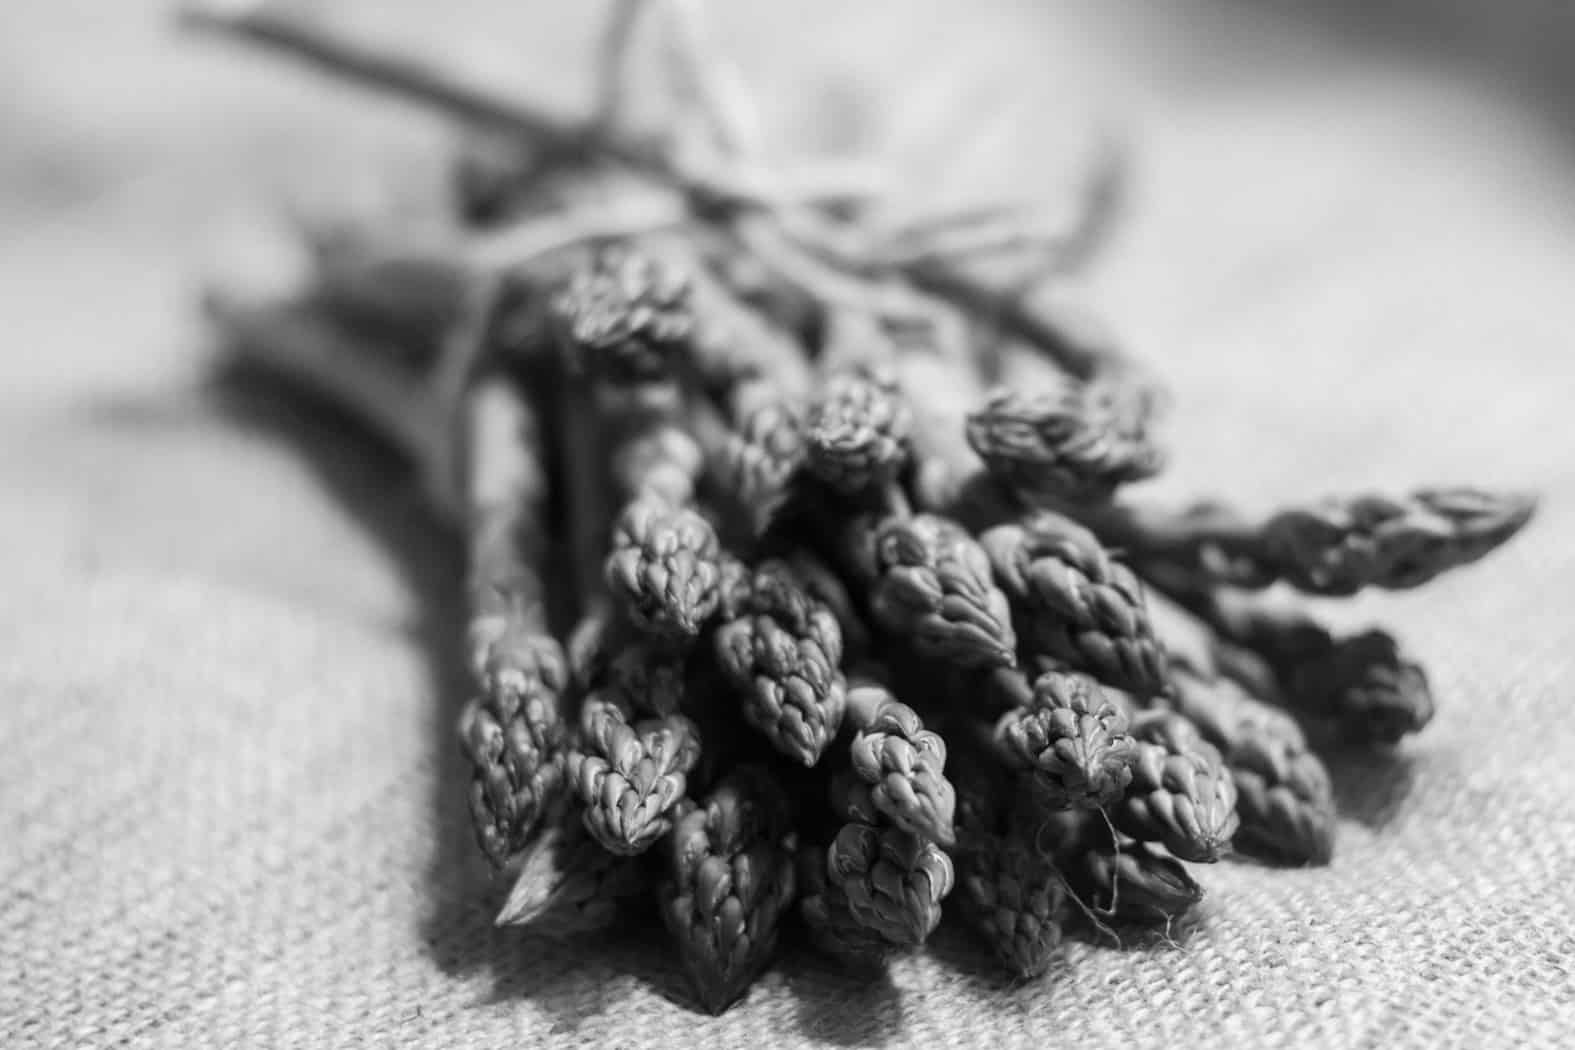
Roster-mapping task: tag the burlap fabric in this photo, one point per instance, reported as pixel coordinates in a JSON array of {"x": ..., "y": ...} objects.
[{"x": 230, "y": 797}]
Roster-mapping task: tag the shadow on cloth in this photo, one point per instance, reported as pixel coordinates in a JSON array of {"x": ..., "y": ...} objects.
[
  {"x": 572, "y": 983},
  {"x": 569, "y": 982},
  {"x": 1371, "y": 787},
  {"x": 972, "y": 966},
  {"x": 383, "y": 497},
  {"x": 837, "y": 1007}
]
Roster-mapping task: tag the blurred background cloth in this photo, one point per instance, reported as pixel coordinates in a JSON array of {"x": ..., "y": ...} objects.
[{"x": 231, "y": 802}]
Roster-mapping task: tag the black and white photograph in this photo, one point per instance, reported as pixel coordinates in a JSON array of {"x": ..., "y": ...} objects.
[{"x": 774, "y": 524}]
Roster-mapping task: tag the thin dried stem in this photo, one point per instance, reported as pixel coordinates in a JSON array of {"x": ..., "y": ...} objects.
[
  {"x": 772, "y": 243},
  {"x": 394, "y": 75},
  {"x": 713, "y": 83},
  {"x": 615, "y": 54},
  {"x": 632, "y": 213},
  {"x": 404, "y": 77}
]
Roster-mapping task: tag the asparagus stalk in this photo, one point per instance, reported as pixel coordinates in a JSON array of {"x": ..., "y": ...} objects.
[
  {"x": 783, "y": 648},
  {"x": 621, "y": 324},
  {"x": 1073, "y": 741},
  {"x": 1074, "y": 603},
  {"x": 1284, "y": 798},
  {"x": 1012, "y": 892},
  {"x": 630, "y": 773},
  {"x": 893, "y": 881},
  {"x": 828, "y": 913},
  {"x": 506, "y": 493},
  {"x": 942, "y": 388},
  {"x": 856, "y": 432},
  {"x": 1336, "y": 547},
  {"x": 900, "y": 763},
  {"x": 931, "y": 588},
  {"x": 1069, "y": 336},
  {"x": 1181, "y": 795},
  {"x": 730, "y": 879},
  {"x": 1051, "y": 439},
  {"x": 742, "y": 359},
  {"x": 409, "y": 299},
  {"x": 1363, "y": 683}
]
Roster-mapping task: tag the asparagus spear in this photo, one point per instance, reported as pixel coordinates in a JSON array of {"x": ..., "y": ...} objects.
[
  {"x": 930, "y": 586},
  {"x": 1283, "y": 793},
  {"x": 1072, "y": 739},
  {"x": 784, "y": 648},
  {"x": 1074, "y": 602},
  {"x": 1363, "y": 683},
  {"x": 1284, "y": 798},
  {"x": 900, "y": 763},
  {"x": 1013, "y": 893},
  {"x": 1181, "y": 795},
  {"x": 827, "y": 911},
  {"x": 630, "y": 773},
  {"x": 622, "y": 324},
  {"x": 1051, "y": 438},
  {"x": 894, "y": 881},
  {"x": 731, "y": 877},
  {"x": 942, "y": 387},
  {"x": 1336, "y": 547},
  {"x": 857, "y": 431},
  {"x": 513, "y": 732}
]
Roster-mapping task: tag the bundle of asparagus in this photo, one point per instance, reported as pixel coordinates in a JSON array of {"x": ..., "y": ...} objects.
[{"x": 845, "y": 629}]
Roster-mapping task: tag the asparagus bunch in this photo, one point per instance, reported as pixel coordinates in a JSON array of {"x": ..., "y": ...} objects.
[{"x": 858, "y": 610}]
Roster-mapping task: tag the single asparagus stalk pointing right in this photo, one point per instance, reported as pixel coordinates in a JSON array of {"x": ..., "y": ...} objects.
[
  {"x": 1336, "y": 548},
  {"x": 1363, "y": 683}
]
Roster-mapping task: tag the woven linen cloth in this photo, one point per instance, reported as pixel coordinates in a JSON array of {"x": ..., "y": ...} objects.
[{"x": 231, "y": 806}]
